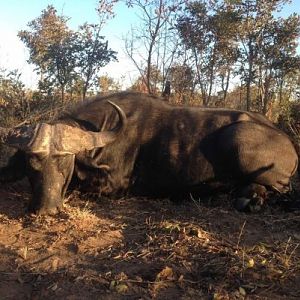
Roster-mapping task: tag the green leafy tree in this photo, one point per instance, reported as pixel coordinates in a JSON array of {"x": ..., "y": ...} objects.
[
  {"x": 155, "y": 78},
  {"x": 107, "y": 84},
  {"x": 61, "y": 55},
  {"x": 182, "y": 78},
  {"x": 51, "y": 46},
  {"x": 93, "y": 53},
  {"x": 242, "y": 38},
  {"x": 14, "y": 100},
  {"x": 223, "y": 26},
  {"x": 207, "y": 31},
  {"x": 259, "y": 35},
  {"x": 284, "y": 59}
]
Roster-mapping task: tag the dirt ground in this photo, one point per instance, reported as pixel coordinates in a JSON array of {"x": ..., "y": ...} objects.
[{"x": 137, "y": 248}]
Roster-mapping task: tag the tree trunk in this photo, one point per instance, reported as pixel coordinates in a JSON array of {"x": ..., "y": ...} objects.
[
  {"x": 211, "y": 76},
  {"x": 84, "y": 89},
  {"x": 280, "y": 91},
  {"x": 250, "y": 76},
  {"x": 62, "y": 94},
  {"x": 203, "y": 92},
  {"x": 266, "y": 96},
  {"x": 148, "y": 75},
  {"x": 225, "y": 85}
]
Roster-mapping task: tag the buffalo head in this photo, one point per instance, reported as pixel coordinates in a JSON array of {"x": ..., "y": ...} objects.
[{"x": 50, "y": 151}]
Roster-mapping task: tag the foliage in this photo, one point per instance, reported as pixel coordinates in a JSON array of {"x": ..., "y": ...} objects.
[
  {"x": 105, "y": 10},
  {"x": 227, "y": 38},
  {"x": 267, "y": 42},
  {"x": 14, "y": 100},
  {"x": 207, "y": 30},
  {"x": 107, "y": 84},
  {"x": 93, "y": 53},
  {"x": 201, "y": 47},
  {"x": 47, "y": 30},
  {"x": 51, "y": 44},
  {"x": 62, "y": 55},
  {"x": 182, "y": 78},
  {"x": 289, "y": 120},
  {"x": 155, "y": 80}
]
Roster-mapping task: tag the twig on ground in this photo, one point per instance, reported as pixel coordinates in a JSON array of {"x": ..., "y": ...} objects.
[{"x": 240, "y": 235}]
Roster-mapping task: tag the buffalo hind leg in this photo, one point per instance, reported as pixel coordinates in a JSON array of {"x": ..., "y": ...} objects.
[{"x": 250, "y": 198}]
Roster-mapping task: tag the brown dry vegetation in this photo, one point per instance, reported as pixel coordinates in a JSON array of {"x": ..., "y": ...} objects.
[{"x": 136, "y": 248}]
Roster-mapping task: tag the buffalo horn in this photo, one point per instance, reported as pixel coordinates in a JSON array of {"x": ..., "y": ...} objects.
[
  {"x": 60, "y": 137},
  {"x": 74, "y": 140},
  {"x": 109, "y": 136}
]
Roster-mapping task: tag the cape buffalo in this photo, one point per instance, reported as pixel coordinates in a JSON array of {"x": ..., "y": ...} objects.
[{"x": 135, "y": 143}]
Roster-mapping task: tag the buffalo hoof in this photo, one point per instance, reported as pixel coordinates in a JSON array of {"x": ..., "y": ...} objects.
[
  {"x": 244, "y": 204},
  {"x": 250, "y": 198}
]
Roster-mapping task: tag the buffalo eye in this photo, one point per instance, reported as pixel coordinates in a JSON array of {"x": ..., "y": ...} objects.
[{"x": 35, "y": 162}]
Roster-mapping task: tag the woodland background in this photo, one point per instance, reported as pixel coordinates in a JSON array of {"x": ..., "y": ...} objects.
[{"x": 229, "y": 53}]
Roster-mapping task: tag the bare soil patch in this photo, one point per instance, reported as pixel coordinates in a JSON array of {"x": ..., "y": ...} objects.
[{"x": 137, "y": 248}]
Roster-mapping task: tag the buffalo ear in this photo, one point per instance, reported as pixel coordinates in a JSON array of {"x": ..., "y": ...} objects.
[
  {"x": 15, "y": 169},
  {"x": 25, "y": 137}
]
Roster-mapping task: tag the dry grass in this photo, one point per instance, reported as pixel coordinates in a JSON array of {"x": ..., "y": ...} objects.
[{"x": 147, "y": 249}]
